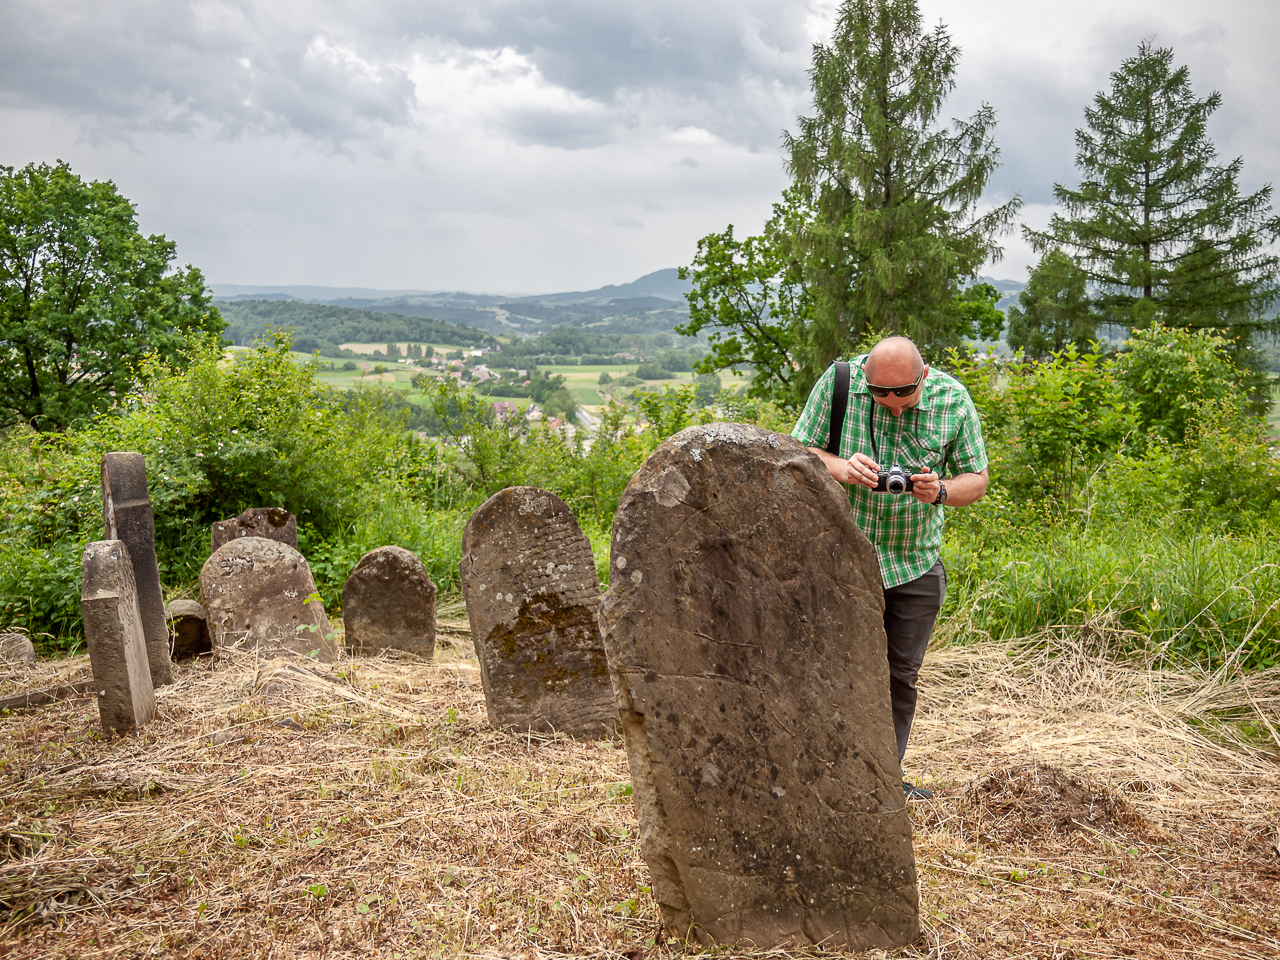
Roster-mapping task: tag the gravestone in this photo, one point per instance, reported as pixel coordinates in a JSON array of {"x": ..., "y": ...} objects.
[
  {"x": 259, "y": 596},
  {"x": 389, "y": 602},
  {"x": 126, "y": 515},
  {"x": 17, "y": 647},
  {"x": 533, "y": 597},
  {"x": 270, "y": 523},
  {"x": 744, "y": 629},
  {"x": 113, "y": 632},
  {"x": 191, "y": 636}
]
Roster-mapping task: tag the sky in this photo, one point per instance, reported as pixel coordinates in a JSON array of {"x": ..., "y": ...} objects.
[{"x": 526, "y": 146}]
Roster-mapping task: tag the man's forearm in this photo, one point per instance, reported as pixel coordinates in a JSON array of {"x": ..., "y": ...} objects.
[{"x": 965, "y": 488}]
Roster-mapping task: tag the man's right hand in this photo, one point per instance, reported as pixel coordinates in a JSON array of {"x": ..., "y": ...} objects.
[
  {"x": 862, "y": 470},
  {"x": 859, "y": 468}
]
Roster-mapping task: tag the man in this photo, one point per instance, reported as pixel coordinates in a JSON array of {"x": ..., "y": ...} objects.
[{"x": 901, "y": 412}]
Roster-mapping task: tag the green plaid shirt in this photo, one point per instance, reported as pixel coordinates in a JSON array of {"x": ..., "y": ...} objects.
[{"x": 941, "y": 431}]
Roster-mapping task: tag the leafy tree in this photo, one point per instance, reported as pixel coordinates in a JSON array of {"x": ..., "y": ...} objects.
[
  {"x": 892, "y": 228},
  {"x": 1054, "y": 309},
  {"x": 706, "y": 387},
  {"x": 750, "y": 297},
  {"x": 1159, "y": 227},
  {"x": 652, "y": 371},
  {"x": 84, "y": 297}
]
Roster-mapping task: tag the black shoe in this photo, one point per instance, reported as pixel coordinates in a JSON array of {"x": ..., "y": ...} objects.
[{"x": 916, "y": 793}]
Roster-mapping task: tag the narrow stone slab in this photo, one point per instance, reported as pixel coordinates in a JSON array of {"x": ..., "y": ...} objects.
[
  {"x": 270, "y": 523},
  {"x": 744, "y": 628},
  {"x": 113, "y": 632},
  {"x": 389, "y": 603},
  {"x": 533, "y": 598},
  {"x": 126, "y": 515},
  {"x": 257, "y": 596},
  {"x": 190, "y": 625}
]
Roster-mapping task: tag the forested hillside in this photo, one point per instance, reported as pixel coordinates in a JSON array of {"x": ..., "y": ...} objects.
[{"x": 322, "y": 327}]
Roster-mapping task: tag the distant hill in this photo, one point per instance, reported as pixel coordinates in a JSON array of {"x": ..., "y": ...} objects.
[
  {"x": 665, "y": 284},
  {"x": 322, "y": 327},
  {"x": 652, "y": 304}
]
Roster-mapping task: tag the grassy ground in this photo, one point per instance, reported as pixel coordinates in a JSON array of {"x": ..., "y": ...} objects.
[{"x": 1084, "y": 809}]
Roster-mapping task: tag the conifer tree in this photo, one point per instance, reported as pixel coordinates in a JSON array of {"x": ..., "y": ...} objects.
[
  {"x": 1159, "y": 227},
  {"x": 879, "y": 230},
  {"x": 893, "y": 231}
]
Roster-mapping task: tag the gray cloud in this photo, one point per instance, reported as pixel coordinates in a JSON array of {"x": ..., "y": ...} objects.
[
  {"x": 521, "y": 143},
  {"x": 340, "y": 72}
]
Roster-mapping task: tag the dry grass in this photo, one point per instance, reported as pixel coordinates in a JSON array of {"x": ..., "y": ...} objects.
[{"x": 1084, "y": 809}]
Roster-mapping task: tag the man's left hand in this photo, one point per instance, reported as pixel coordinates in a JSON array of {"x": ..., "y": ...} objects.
[{"x": 925, "y": 486}]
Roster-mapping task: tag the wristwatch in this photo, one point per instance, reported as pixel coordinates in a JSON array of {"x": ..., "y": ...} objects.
[{"x": 942, "y": 496}]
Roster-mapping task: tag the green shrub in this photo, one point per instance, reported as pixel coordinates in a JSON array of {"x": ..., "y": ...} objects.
[
  {"x": 651, "y": 371},
  {"x": 1167, "y": 375}
]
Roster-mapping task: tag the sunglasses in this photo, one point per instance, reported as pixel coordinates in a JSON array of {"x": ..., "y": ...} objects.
[{"x": 906, "y": 391}]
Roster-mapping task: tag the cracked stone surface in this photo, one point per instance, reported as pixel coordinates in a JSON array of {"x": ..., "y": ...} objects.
[
  {"x": 389, "y": 603},
  {"x": 257, "y": 595},
  {"x": 533, "y": 598},
  {"x": 745, "y": 640}
]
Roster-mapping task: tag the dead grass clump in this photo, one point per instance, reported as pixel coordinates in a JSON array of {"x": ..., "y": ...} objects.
[
  {"x": 365, "y": 809},
  {"x": 1035, "y": 801}
]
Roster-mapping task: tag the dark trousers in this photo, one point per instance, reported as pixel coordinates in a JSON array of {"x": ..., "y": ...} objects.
[{"x": 910, "y": 610}]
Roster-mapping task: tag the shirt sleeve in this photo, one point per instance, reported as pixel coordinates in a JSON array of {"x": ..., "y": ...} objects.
[
  {"x": 813, "y": 429},
  {"x": 967, "y": 453}
]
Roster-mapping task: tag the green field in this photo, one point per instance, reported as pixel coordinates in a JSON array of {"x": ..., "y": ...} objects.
[{"x": 581, "y": 381}]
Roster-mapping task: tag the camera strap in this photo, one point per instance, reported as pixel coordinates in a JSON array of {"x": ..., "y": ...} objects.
[{"x": 839, "y": 403}]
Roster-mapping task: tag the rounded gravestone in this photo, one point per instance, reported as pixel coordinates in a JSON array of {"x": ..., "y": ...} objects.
[
  {"x": 16, "y": 647},
  {"x": 389, "y": 603},
  {"x": 533, "y": 596},
  {"x": 259, "y": 595},
  {"x": 744, "y": 628}
]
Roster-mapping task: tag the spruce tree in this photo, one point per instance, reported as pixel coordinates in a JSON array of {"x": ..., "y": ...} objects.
[
  {"x": 892, "y": 231},
  {"x": 1159, "y": 227}
]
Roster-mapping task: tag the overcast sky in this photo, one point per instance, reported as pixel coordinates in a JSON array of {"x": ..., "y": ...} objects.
[{"x": 535, "y": 145}]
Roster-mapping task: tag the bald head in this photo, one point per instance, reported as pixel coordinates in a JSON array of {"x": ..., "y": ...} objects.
[{"x": 893, "y": 361}]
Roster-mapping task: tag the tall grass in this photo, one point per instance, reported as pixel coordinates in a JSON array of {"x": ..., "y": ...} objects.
[
  {"x": 434, "y": 536},
  {"x": 1189, "y": 596}
]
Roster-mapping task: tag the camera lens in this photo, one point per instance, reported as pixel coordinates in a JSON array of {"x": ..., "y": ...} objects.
[{"x": 897, "y": 485}]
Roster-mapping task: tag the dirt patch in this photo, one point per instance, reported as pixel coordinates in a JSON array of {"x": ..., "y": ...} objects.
[{"x": 1035, "y": 801}]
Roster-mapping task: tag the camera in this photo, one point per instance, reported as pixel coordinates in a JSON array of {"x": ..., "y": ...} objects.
[{"x": 893, "y": 480}]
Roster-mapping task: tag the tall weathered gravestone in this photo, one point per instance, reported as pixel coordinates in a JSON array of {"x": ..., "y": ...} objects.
[
  {"x": 126, "y": 515},
  {"x": 113, "y": 632},
  {"x": 533, "y": 597},
  {"x": 744, "y": 628},
  {"x": 270, "y": 523},
  {"x": 389, "y": 602},
  {"x": 258, "y": 595}
]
